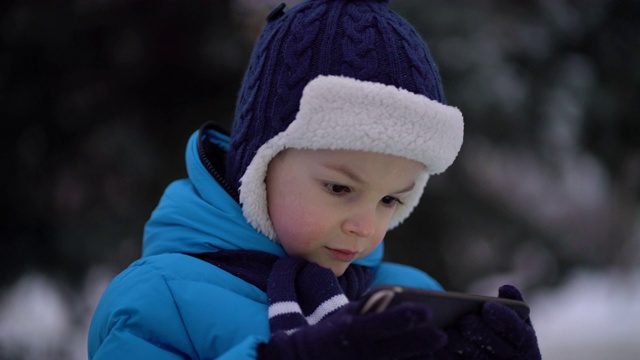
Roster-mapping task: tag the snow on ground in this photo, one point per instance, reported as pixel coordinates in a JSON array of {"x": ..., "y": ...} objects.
[
  {"x": 40, "y": 319},
  {"x": 594, "y": 316}
]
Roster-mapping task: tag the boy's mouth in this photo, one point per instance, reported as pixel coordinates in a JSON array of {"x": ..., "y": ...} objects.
[{"x": 343, "y": 255}]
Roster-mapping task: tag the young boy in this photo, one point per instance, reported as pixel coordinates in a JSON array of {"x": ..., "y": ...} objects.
[{"x": 263, "y": 251}]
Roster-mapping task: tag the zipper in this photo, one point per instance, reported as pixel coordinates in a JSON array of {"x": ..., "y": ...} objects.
[{"x": 202, "y": 153}]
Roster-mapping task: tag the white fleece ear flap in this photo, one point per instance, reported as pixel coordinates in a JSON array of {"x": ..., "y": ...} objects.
[{"x": 344, "y": 113}]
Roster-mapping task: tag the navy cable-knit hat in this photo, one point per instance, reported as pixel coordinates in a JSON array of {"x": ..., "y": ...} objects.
[{"x": 339, "y": 74}]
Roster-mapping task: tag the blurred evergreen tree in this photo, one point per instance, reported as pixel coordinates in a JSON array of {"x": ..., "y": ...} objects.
[{"x": 98, "y": 99}]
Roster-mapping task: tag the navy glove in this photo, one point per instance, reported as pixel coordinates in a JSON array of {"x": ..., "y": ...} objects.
[
  {"x": 496, "y": 333},
  {"x": 402, "y": 332}
]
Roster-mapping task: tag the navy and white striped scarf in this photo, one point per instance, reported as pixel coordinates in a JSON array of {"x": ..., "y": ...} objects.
[{"x": 300, "y": 293}]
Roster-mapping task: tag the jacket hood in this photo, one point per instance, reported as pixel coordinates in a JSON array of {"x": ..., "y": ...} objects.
[{"x": 196, "y": 215}]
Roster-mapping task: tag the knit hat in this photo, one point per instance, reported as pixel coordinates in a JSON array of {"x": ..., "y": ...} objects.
[{"x": 339, "y": 74}]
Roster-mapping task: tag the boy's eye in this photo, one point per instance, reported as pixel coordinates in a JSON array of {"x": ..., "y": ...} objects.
[
  {"x": 391, "y": 201},
  {"x": 337, "y": 189}
]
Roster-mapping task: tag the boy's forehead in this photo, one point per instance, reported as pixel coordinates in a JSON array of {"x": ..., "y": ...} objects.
[
  {"x": 358, "y": 165},
  {"x": 345, "y": 155}
]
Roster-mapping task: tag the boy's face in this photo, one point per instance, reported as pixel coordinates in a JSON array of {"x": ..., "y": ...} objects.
[{"x": 332, "y": 207}]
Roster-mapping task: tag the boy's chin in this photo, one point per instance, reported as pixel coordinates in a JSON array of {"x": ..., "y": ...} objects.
[{"x": 338, "y": 270}]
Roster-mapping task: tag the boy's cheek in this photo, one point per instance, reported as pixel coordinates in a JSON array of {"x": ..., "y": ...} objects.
[{"x": 297, "y": 231}]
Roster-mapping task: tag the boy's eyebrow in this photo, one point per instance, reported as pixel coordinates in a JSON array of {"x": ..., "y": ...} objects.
[
  {"x": 345, "y": 171},
  {"x": 407, "y": 189},
  {"x": 353, "y": 176}
]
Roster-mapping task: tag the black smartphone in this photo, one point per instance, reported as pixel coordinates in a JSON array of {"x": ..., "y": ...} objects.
[{"x": 446, "y": 306}]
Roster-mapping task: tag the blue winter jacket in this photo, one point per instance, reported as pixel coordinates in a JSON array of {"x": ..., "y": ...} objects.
[{"x": 169, "y": 305}]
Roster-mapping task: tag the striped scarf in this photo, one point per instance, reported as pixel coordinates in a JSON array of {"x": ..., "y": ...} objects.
[{"x": 300, "y": 293}]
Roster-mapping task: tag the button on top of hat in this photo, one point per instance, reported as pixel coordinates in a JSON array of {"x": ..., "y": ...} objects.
[{"x": 276, "y": 13}]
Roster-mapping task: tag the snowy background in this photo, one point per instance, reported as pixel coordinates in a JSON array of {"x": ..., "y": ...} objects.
[
  {"x": 98, "y": 99},
  {"x": 593, "y": 316}
]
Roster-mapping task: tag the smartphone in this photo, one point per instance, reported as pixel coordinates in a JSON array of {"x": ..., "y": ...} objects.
[{"x": 446, "y": 306}]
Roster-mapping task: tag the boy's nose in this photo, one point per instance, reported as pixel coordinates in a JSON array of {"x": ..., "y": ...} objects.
[{"x": 361, "y": 224}]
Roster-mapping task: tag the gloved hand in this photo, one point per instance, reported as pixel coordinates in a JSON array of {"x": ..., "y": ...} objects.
[
  {"x": 496, "y": 333},
  {"x": 402, "y": 332}
]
